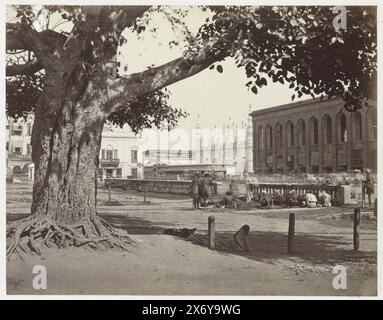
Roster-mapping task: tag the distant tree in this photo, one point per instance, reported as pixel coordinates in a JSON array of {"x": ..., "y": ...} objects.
[{"x": 70, "y": 82}]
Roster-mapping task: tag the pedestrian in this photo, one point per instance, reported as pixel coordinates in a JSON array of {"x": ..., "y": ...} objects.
[{"x": 369, "y": 186}]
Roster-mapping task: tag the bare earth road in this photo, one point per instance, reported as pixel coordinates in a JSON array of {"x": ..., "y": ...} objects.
[{"x": 167, "y": 265}]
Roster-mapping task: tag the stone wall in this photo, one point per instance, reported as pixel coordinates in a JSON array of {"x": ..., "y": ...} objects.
[
  {"x": 160, "y": 186},
  {"x": 340, "y": 194}
]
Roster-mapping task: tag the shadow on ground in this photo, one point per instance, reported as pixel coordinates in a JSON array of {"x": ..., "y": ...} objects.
[
  {"x": 265, "y": 246},
  {"x": 137, "y": 225},
  {"x": 270, "y": 246}
]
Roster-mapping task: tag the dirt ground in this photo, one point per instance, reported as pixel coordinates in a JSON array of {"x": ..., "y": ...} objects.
[{"x": 167, "y": 265}]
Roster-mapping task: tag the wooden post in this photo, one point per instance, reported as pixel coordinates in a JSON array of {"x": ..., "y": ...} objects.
[
  {"x": 376, "y": 208},
  {"x": 356, "y": 228},
  {"x": 109, "y": 195},
  {"x": 290, "y": 237},
  {"x": 211, "y": 232},
  {"x": 145, "y": 191}
]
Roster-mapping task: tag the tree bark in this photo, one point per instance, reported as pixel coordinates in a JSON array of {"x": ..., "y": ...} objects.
[{"x": 65, "y": 142}]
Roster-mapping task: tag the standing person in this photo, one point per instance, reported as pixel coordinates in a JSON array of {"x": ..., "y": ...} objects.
[
  {"x": 195, "y": 191},
  {"x": 369, "y": 186},
  {"x": 205, "y": 193}
]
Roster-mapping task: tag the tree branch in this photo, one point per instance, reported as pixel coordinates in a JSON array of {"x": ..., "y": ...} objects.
[
  {"x": 15, "y": 37},
  {"x": 124, "y": 90},
  {"x": 28, "y": 68},
  {"x": 22, "y": 37}
]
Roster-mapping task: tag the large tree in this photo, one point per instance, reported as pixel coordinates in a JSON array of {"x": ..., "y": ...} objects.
[{"x": 70, "y": 81}]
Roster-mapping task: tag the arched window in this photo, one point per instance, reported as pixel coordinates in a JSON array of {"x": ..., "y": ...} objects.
[
  {"x": 327, "y": 130},
  {"x": 278, "y": 136},
  {"x": 342, "y": 127},
  {"x": 290, "y": 134},
  {"x": 357, "y": 125},
  {"x": 260, "y": 138},
  {"x": 313, "y": 131},
  {"x": 16, "y": 170},
  {"x": 301, "y": 133},
  {"x": 269, "y": 137}
]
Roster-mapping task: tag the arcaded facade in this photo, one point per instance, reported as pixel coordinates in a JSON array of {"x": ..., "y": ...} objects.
[{"x": 314, "y": 136}]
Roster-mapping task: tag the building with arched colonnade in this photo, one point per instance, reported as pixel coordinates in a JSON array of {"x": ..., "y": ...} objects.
[{"x": 314, "y": 136}]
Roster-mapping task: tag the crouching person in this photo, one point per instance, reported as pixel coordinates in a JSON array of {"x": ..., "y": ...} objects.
[
  {"x": 311, "y": 200},
  {"x": 325, "y": 199}
]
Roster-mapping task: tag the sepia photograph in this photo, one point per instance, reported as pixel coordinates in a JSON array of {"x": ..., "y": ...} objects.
[{"x": 191, "y": 150}]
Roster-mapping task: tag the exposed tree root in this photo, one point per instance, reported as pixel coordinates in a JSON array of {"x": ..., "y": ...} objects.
[{"x": 31, "y": 234}]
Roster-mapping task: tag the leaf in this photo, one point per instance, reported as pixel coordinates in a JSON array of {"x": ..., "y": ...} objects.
[
  {"x": 254, "y": 89},
  {"x": 302, "y": 21},
  {"x": 264, "y": 81},
  {"x": 219, "y": 68},
  {"x": 211, "y": 67}
]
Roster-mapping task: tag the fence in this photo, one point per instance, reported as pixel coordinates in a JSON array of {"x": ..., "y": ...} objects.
[
  {"x": 161, "y": 186},
  {"x": 337, "y": 192}
]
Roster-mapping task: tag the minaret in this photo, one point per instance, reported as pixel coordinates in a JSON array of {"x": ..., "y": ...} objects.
[
  {"x": 224, "y": 135},
  {"x": 213, "y": 146},
  {"x": 199, "y": 155},
  {"x": 249, "y": 143}
]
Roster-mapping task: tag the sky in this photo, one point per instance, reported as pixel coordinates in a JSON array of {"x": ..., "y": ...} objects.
[{"x": 211, "y": 98}]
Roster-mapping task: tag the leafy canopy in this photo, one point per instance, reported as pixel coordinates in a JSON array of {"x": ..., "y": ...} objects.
[{"x": 298, "y": 46}]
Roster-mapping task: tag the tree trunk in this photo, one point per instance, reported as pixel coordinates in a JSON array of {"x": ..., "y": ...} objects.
[
  {"x": 65, "y": 146},
  {"x": 65, "y": 150}
]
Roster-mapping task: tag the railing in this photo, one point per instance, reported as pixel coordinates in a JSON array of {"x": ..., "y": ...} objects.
[
  {"x": 110, "y": 162},
  {"x": 20, "y": 176},
  {"x": 160, "y": 186},
  {"x": 336, "y": 192},
  {"x": 20, "y": 156}
]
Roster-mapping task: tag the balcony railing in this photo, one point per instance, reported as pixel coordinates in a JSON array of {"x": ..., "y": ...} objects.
[
  {"x": 20, "y": 156},
  {"x": 110, "y": 162}
]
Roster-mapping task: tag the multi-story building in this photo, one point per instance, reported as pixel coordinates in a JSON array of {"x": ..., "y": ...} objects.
[
  {"x": 314, "y": 136},
  {"x": 169, "y": 157},
  {"x": 224, "y": 146},
  {"x": 18, "y": 148},
  {"x": 118, "y": 151},
  {"x": 220, "y": 147}
]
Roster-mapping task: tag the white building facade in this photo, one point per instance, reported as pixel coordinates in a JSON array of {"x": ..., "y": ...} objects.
[
  {"x": 19, "y": 148},
  {"x": 118, "y": 154},
  {"x": 118, "y": 151}
]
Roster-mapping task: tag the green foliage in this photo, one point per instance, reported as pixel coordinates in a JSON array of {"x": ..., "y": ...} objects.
[
  {"x": 296, "y": 46},
  {"x": 299, "y": 46},
  {"x": 22, "y": 93},
  {"x": 148, "y": 111}
]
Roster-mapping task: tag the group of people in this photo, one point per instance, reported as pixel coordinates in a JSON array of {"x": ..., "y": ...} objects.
[{"x": 201, "y": 192}]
